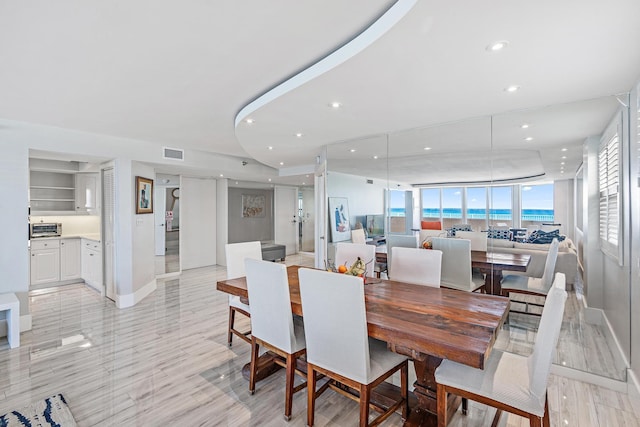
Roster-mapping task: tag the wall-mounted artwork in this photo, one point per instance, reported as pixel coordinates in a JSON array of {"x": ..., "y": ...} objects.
[
  {"x": 144, "y": 195},
  {"x": 253, "y": 206},
  {"x": 339, "y": 218}
]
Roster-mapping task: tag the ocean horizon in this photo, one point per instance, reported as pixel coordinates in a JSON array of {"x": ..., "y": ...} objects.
[{"x": 506, "y": 214}]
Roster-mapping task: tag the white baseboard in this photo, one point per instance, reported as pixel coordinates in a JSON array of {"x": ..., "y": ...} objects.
[
  {"x": 129, "y": 300},
  {"x": 633, "y": 384},
  {"x": 589, "y": 378},
  {"x": 25, "y": 325}
]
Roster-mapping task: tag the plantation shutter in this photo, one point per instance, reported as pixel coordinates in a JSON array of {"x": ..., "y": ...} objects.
[{"x": 609, "y": 187}]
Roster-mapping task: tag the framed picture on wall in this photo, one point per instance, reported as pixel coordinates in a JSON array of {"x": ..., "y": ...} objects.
[
  {"x": 253, "y": 206},
  {"x": 339, "y": 219},
  {"x": 144, "y": 195}
]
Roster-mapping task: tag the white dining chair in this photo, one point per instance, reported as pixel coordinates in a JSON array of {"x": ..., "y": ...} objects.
[
  {"x": 417, "y": 266},
  {"x": 399, "y": 240},
  {"x": 330, "y": 302},
  {"x": 235, "y": 254},
  {"x": 518, "y": 284},
  {"x": 509, "y": 382},
  {"x": 456, "y": 264},
  {"x": 348, "y": 253},
  {"x": 273, "y": 326},
  {"x": 357, "y": 236},
  {"x": 478, "y": 239}
]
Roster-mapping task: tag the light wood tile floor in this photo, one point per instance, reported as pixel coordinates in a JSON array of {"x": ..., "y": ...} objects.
[{"x": 166, "y": 362}]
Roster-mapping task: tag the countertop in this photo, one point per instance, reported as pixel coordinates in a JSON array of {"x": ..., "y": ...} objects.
[{"x": 90, "y": 236}]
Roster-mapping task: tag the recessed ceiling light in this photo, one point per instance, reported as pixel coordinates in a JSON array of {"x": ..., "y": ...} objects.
[
  {"x": 353, "y": 150},
  {"x": 512, "y": 88},
  {"x": 250, "y": 121},
  {"x": 524, "y": 126},
  {"x": 303, "y": 183},
  {"x": 281, "y": 163},
  {"x": 269, "y": 179},
  {"x": 561, "y": 171},
  {"x": 564, "y": 149},
  {"x": 299, "y": 135},
  {"x": 562, "y": 163},
  {"x": 236, "y": 182},
  {"x": 375, "y": 157},
  {"x": 221, "y": 175},
  {"x": 564, "y": 157},
  {"x": 497, "y": 46},
  {"x": 307, "y": 176},
  {"x": 427, "y": 148},
  {"x": 529, "y": 138},
  {"x": 335, "y": 104},
  {"x": 270, "y": 148}
]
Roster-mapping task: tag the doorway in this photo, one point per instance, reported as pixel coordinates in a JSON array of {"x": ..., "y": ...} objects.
[
  {"x": 306, "y": 224},
  {"x": 167, "y": 222}
]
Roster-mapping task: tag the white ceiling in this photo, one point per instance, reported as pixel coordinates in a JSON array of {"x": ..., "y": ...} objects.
[{"x": 178, "y": 74}]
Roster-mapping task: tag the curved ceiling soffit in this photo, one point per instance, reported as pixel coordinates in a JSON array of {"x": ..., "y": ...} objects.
[{"x": 376, "y": 30}]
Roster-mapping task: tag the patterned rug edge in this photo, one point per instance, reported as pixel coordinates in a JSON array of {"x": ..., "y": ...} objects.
[{"x": 50, "y": 412}]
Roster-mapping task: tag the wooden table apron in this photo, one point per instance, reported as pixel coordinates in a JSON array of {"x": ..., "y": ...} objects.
[{"x": 428, "y": 324}]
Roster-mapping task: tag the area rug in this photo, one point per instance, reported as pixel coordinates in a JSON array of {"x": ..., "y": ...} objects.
[{"x": 50, "y": 412}]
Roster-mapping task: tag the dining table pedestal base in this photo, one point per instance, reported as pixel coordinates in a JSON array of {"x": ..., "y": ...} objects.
[{"x": 266, "y": 367}]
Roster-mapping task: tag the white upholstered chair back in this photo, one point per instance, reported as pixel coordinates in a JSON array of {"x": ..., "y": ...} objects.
[
  {"x": 348, "y": 253},
  {"x": 329, "y": 302},
  {"x": 456, "y": 262},
  {"x": 539, "y": 362},
  {"x": 478, "y": 239},
  {"x": 399, "y": 240},
  {"x": 560, "y": 281},
  {"x": 418, "y": 266},
  {"x": 357, "y": 236},
  {"x": 236, "y": 253},
  {"x": 550, "y": 264},
  {"x": 271, "y": 317}
]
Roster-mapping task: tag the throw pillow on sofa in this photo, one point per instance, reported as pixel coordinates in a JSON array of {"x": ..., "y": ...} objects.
[
  {"x": 499, "y": 234},
  {"x": 539, "y": 236}
]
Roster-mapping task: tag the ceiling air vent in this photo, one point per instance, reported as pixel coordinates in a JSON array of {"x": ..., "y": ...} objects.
[
  {"x": 369, "y": 181},
  {"x": 173, "y": 153}
]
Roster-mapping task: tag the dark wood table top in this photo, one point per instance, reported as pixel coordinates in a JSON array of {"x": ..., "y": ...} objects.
[
  {"x": 445, "y": 323},
  {"x": 502, "y": 261}
]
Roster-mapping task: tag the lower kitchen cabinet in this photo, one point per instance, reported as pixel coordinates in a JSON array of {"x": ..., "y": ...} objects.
[
  {"x": 92, "y": 263},
  {"x": 69, "y": 259},
  {"x": 45, "y": 261}
]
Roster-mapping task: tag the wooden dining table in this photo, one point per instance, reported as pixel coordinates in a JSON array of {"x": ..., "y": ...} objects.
[
  {"x": 425, "y": 323},
  {"x": 491, "y": 264}
]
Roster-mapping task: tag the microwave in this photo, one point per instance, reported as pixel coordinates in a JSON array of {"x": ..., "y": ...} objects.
[{"x": 45, "y": 229}]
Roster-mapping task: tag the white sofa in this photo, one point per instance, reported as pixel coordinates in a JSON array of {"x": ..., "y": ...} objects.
[{"x": 566, "y": 263}]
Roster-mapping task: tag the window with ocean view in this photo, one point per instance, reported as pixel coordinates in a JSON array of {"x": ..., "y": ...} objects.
[
  {"x": 501, "y": 207},
  {"x": 451, "y": 206},
  {"x": 397, "y": 211},
  {"x": 476, "y": 203},
  {"x": 537, "y": 204},
  {"x": 430, "y": 204}
]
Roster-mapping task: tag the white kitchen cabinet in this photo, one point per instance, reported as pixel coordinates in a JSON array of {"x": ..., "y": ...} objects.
[
  {"x": 91, "y": 254},
  {"x": 87, "y": 193},
  {"x": 45, "y": 261},
  {"x": 52, "y": 192},
  {"x": 69, "y": 259}
]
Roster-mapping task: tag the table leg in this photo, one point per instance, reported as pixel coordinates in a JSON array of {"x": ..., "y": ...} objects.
[
  {"x": 426, "y": 411},
  {"x": 492, "y": 280}
]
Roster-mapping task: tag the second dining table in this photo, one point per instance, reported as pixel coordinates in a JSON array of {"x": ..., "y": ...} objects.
[
  {"x": 491, "y": 264},
  {"x": 425, "y": 323}
]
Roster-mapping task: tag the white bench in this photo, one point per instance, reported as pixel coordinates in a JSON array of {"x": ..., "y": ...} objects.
[{"x": 10, "y": 304}]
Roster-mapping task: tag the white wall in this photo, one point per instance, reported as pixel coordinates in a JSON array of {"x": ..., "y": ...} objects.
[
  {"x": 222, "y": 219},
  {"x": 143, "y": 236},
  {"x": 363, "y": 198},
  {"x": 14, "y": 255},
  {"x": 634, "y": 190},
  {"x": 563, "y": 206},
  {"x": 198, "y": 227}
]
